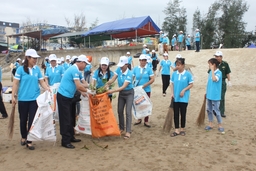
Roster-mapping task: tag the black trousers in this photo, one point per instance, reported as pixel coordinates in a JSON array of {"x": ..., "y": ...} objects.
[
  {"x": 180, "y": 110},
  {"x": 27, "y": 111},
  {"x": 2, "y": 107},
  {"x": 65, "y": 118},
  {"x": 166, "y": 82},
  {"x": 154, "y": 63},
  {"x": 197, "y": 46}
]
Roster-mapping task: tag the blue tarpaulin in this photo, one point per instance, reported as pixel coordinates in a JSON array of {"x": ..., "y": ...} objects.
[{"x": 130, "y": 27}]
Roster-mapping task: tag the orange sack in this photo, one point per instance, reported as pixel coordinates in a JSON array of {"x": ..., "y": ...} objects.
[{"x": 103, "y": 121}]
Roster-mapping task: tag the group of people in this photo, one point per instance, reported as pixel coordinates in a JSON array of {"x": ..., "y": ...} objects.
[
  {"x": 70, "y": 75},
  {"x": 180, "y": 42}
]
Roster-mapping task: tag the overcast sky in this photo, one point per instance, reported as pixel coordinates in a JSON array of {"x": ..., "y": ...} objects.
[{"x": 55, "y": 11}]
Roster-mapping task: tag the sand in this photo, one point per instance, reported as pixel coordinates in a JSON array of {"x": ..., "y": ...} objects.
[{"x": 151, "y": 149}]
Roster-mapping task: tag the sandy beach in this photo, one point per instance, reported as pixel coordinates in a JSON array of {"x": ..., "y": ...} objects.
[{"x": 151, "y": 149}]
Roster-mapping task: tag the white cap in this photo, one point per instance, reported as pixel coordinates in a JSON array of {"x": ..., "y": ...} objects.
[
  {"x": 218, "y": 53},
  {"x": 83, "y": 58},
  {"x": 58, "y": 61},
  {"x": 32, "y": 53},
  {"x": 153, "y": 51},
  {"x": 122, "y": 61},
  {"x": 73, "y": 58},
  {"x": 147, "y": 49},
  {"x": 18, "y": 59},
  {"x": 197, "y": 29},
  {"x": 62, "y": 59},
  {"x": 104, "y": 60},
  {"x": 144, "y": 45},
  {"x": 188, "y": 35},
  {"x": 181, "y": 31},
  {"x": 46, "y": 57},
  {"x": 52, "y": 57},
  {"x": 178, "y": 56},
  {"x": 165, "y": 54},
  {"x": 128, "y": 53},
  {"x": 67, "y": 57},
  {"x": 143, "y": 56},
  {"x": 161, "y": 32}
]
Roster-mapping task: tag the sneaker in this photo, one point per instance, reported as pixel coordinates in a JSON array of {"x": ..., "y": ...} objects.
[{"x": 221, "y": 129}]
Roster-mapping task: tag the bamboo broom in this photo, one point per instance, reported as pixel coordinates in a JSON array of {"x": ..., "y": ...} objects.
[
  {"x": 169, "y": 119},
  {"x": 201, "y": 116},
  {"x": 11, "y": 123}
]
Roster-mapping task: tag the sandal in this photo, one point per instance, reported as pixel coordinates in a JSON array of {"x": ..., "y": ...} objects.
[
  {"x": 127, "y": 136},
  {"x": 174, "y": 134},
  {"x": 23, "y": 142},
  {"x": 183, "y": 133},
  {"x": 138, "y": 122}
]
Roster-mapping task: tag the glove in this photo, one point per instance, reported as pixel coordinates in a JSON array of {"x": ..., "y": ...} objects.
[{"x": 229, "y": 83}]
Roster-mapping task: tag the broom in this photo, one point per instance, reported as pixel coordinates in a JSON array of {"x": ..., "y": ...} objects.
[
  {"x": 11, "y": 123},
  {"x": 201, "y": 116},
  {"x": 169, "y": 119}
]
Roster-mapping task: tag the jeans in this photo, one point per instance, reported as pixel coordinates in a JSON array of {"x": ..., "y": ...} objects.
[{"x": 213, "y": 107}]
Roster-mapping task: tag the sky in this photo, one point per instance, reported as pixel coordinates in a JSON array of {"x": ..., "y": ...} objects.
[{"x": 55, "y": 11}]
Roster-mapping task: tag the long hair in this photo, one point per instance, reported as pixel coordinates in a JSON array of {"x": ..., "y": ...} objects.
[
  {"x": 26, "y": 65},
  {"x": 100, "y": 70}
]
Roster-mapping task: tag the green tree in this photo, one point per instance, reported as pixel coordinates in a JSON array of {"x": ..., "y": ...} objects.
[
  {"x": 176, "y": 18},
  {"x": 231, "y": 22}
]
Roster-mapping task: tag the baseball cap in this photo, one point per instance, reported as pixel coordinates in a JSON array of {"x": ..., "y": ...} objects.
[
  {"x": 178, "y": 56},
  {"x": 143, "y": 56},
  {"x": 218, "y": 53},
  {"x": 153, "y": 51},
  {"x": 52, "y": 57},
  {"x": 128, "y": 53},
  {"x": 18, "y": 59},
  {"x": 62, "y": 59},
  {"x": 67, "y": 57},
  {"x": 122, "y": 61},
  {"x": 73, "y": 58},
  {"x": 144, "y": 45},
  {"x": 58, "y": 61},
  {"x": 83, "y": 58},
  {"x": 165, "y": 54},
  {"x": 32, "y": 53},
  {"x": 104, "y": 60},
  {"x": 46, "y": 57}
]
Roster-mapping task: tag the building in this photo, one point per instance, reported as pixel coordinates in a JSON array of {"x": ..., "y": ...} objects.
[{"x": 8, "y": 28}]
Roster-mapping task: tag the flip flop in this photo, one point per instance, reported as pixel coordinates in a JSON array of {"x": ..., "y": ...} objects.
[
  {"x": 174, "y": 134},
  {"x": 208, "y": 128},
  {"x": 183, "y": 133}
]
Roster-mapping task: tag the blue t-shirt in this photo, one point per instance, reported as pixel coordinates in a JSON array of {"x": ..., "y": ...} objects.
[
  {"x": 165, "y": 40},
  {"x": 161, "y": 38},
  {"x": 129, "y": 59},
  {"x": 144, "y": 51},
  {"x": 16, "y": 64},
  {"x": 66, "y": 65},
  {"x": 54, "y": 75},
  {"x": 28, "y": 86},
  {"x": 154, "y": 57},
  {"x": 67, "y": 85},
  {"x": 102, "y": 79},
  {"x": 188, "y": 41},
  {"x": 181, "y": 81},
  {"x": 166, "y": 65},
  {"x": 124, "y": 77},
  {"x": 213, "y": 89},
  {"x": 180, "y": 38},
  {"x": 173, "y": 41},
  {"x": 197, "y": 37},
  {"x": 141, "y": 80},
  {"x": 47, "y": 64},
  {"x": 88, "y": 68}
]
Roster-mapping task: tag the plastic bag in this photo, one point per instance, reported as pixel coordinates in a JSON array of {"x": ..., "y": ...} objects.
[
  {"x": 43, "y": 126},
  {"x": 83, "y": 124},
  {"x": 142, "y": 105},
  {"x": 103, "y": 121}
]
